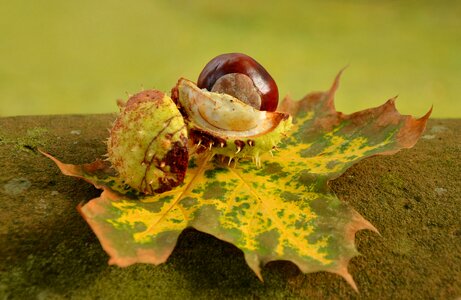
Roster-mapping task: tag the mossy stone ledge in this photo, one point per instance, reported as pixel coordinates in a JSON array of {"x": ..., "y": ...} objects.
[{"x": 48, "y": 251}]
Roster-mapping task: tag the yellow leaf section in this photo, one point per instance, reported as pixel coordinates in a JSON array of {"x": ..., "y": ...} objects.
[
  {"x": 254, "y": 207},
  {"x": 351, "y": 149},
  {"x": 169, "y": 218},
  {"x": 169, "y": 215}
]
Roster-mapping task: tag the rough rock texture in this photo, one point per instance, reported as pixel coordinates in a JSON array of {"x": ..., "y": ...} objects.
[{"x": 48, "y": 251}]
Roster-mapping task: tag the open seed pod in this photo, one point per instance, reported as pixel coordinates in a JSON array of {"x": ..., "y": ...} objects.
[
  {"x": 148, "y": 143},
  {"x": 226, "y": 125}
]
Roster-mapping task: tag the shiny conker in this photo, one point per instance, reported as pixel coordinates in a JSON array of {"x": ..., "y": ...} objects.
[{"x": 241, "y": 76}]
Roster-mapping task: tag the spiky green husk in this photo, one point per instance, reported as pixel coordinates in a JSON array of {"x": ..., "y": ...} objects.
[
  {"x": 148, "y": 143},
  {"x": 239, "y": 148}
]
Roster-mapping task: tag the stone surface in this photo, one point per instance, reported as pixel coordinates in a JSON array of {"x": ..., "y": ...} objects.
[{"x": 47, "y": 251}]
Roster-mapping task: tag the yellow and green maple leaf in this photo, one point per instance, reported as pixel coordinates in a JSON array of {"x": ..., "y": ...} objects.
[{"x": 283, "y": 210}]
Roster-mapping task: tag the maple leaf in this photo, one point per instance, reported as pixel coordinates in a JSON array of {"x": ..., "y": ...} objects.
[{"x": 281, "y": 211}]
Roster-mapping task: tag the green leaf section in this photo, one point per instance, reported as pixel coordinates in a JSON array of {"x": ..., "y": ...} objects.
[{"x": 329, "y": 154}]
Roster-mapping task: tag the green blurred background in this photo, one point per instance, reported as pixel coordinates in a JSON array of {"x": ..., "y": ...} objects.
[{"x": 61, "y": 57}]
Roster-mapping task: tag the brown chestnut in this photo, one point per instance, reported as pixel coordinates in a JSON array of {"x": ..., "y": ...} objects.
[{"x": 243, "y": 77}]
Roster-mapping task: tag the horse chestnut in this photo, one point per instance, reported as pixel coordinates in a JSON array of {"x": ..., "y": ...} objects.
[{"x": 240, "y": 76}]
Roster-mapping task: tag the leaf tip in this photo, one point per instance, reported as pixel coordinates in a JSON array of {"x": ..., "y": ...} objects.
[
  {"x": 427, "y": 115},
  {"x": 392, "y": 100},
  {"x": 254, "y": 263},
  {"x": 66, "y": 169},
  {"x": 44, "y": 153},
  {"x": 344, "y": 273},
  {"x": 141, "y": 256},
  {"x": 332, "y": 91},
  {"x": 119, "y": 262},
  {"x": 413, "y": 129},
  {"x": 358, "y": 223}
]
